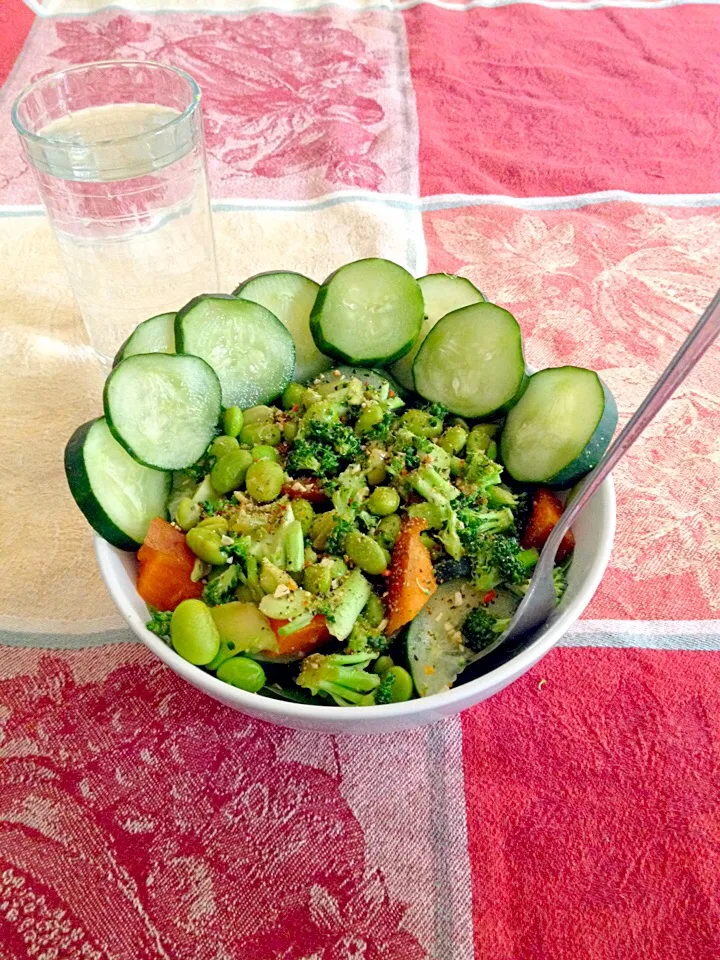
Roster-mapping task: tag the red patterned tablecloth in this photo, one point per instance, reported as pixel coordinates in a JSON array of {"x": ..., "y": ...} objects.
[{"x": 564, "y": 156}]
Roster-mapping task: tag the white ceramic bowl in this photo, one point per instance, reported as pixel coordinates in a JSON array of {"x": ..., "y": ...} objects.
[{"x": 594, "y": 533}]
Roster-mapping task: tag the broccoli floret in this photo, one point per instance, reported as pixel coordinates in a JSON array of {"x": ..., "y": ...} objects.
[
  {"x": 312, "y": 457},
  {"x": 336, "y": 435},
  {"x": 323, "y": 447},
  {"x": 480, "y": 473},
  {"x": 343, "y": 677},
  {"x": 159, "y": 623},
  {"x": 383, "y": 694},
  {"x": 452, "y": 570},
  {"x": 336, "y": 541},
  {"x": 348, "y": 491},
  {"x": 501, "y": 496},
  {"x": 221, "y": 585},
  {"x": 480, "y": 629},
  {"x": 430, "y": 484},
  {"x": 381, "y": 431},
  {"x": 449, "y": 536},
  {"x": 436, "y": 410},
  {"x": 493, "y": 558},
  {"x": 560, "y": 580},
  {"x": 477, "y": 523},
  {"x": 365, "y": 638}
]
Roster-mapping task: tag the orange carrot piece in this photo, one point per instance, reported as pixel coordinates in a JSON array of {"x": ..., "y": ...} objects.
[
  {"x": 412, "y": 581},
  {"x": 304, "y": 641},
  {"x": 545, "y": 512},
  {"x": 165, "y": 565}
]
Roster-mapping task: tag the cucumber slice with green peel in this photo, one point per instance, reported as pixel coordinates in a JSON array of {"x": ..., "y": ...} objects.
[
  {"x": 291, "y": 297},
  {"x": 435, "y": 649},
  {"x": 156, "y": 335},
  {"x": 560, "y": 428},
  {"x": 163, "y": 408},
  {"x": 373, "y": 378},
  {"x": 368, "y": 312},
  {"x": 249, "y": 349},
  {"x": 442, "y": 293},
  {"x": 118, "y": 496},
  {"x": 472, "y": 361}
]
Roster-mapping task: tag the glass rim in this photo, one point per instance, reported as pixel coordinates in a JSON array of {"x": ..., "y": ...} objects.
[{"x": 22, "y": 130}]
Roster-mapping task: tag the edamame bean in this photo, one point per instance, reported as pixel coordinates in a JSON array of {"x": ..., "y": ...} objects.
[
  {"x": 317, "y": 579},
  {"x": 258, "y": 414},
  {"x": 187, "y": 514},
  {"x": 339, "y": 569},
  {"x": 453, "y": 440},
  {"x": 382, "y": 665},
  {"x": 492, "y": 450},
  {"x": 365, "y": 553},
  {"x": 402, "y": 688},
  {"x": 244, "y": 673},
  {"x": 422, "y": 423},
  {"x": 216, "y": 523},
  {"x": 374, "y": 611},
  {"x": 376, "y": 471},
  {"x": 293, "y": 395},
  {"x": 310, "y": 397},
  {"x": 289, "y": 430},
  {"x": 261, "y": 433},
  {"x": 371, "y": 416},
  {"x": 206, "y": 544},
  {"x": 388, "y": 530},
  {"x": 229, "y": 471},
  {"x": 321, "y": 529},
  {"x": 193, "y": 632},
  {"x": 480, "y": 437},
  {"x": 264, "y": 452},
  {"x": 264, "y": 480},
  {"x": 222, "y": 445},
  {"x": 303, "y": 511},
  {"x": 233, "y": 421},
  {"x": 383, "y": 501}
]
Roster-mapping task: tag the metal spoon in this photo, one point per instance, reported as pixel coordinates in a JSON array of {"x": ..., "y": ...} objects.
[{"x": 540, "y": 600}]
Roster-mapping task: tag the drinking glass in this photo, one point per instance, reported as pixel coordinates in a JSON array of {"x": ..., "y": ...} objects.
[{"x": 118, "y": 154}]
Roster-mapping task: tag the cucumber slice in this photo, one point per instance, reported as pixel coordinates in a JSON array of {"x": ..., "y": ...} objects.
[
  {"x": 252, "y": 353},
  {"x": 367, "y": 312},
  {"x": 118, "y": 496},
  {"x": 373, "y": 378},
  {"x": 156, "y": 335},
  {"x": 560, "y": 428},
  {"x": 163, "y": 408},
  {"x": 442, "y": 294},
  {"x": 435, "y": 651},
  {"x": 472, "y": 361},
  {"x": 291, "y": 297}
]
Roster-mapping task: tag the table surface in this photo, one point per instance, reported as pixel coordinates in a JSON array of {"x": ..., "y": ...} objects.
[{"x": 563, "y": 156}]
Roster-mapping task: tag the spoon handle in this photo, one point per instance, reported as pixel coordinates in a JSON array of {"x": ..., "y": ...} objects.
[{"x": 697, "y": 342}]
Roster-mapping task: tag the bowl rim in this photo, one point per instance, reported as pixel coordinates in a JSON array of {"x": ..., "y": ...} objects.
[{"x": 449, "y": 702}]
